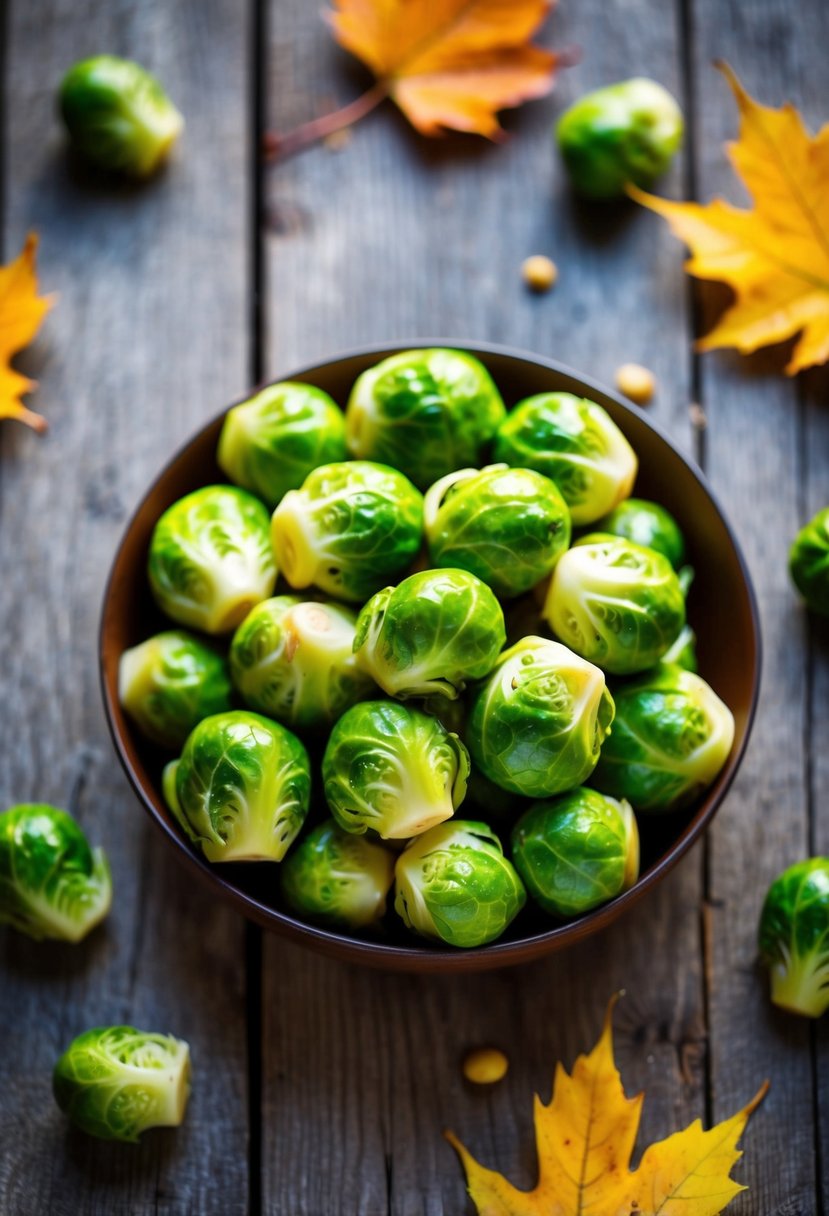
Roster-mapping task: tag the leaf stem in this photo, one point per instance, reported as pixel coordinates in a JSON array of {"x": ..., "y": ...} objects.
[{"x": 277, "y": 146}]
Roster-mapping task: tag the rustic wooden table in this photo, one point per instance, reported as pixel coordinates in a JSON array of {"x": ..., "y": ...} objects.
[{"x": 322, "y": 1088}]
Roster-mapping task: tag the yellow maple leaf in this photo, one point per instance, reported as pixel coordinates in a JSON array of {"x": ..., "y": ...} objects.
[
  {"x": 21, "y": 312},
  {"x": 585, "y": 1138},
  {"x": 776, "y": 256}
]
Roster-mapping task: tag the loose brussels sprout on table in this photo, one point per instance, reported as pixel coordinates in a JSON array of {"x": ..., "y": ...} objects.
[
  {"x": 576, "y": 852},
  {"x": 169, "y": 683},
  {"x": 210, "y": 558},
  {"x": 118, "y": 115},
  {"x": 809, "y": 562},
  {"x": 350, "y": 528},
  {"x": 393, "y": 769},
  {"x": 648, "y": 524},
  {"x": 430, "y": 634},
  {"x": 577, "y": 445},
  {"x": 337, "y": 878},
  {"x": 52, "y": 884},
  {"x": 241, "y": 787},
  {"x": 794, "y": 937},
  {"x": 270, "y": 443},
  {"x": 427, "y": 412},
  {"x": 537, "y": 723},
  {"x": 454, "y": 884},
  {"x": 115, "y": 1082},
  {"x": 507, "y": 526}
]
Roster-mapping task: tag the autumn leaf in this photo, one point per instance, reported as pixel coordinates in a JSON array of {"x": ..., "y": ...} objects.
[
  {"x": 776, "y": 255},
  {"x": 585, "y": 1139},
  {"x": 21, "y": 312}
]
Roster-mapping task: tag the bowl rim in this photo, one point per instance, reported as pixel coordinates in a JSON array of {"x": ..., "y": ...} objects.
[{"x": 417, "y": 957}]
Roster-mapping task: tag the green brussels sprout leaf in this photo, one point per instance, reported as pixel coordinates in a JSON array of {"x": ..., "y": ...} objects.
[
  {"x": 794, "y": 937},
  {"x": 169, "y": 683},
  {"x": 337, "y": 878},
  {"x": 809, "y": 562}
]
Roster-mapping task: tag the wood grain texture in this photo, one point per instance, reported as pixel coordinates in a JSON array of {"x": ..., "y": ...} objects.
[{"x": 149, "y": 336}]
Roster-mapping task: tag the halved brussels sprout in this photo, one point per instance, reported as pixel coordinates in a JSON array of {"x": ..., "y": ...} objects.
[
  {"x": 809, "y": 562},
  {"x": 577, "y": 445},
  {"x": 455, "y": 885},
  {"x": 576, "y": 852},
  {"x": 536, "y": 725},
  {"x": 169, "y": 683},
  {"x": 671, "y": 736},
  {"x": 426, "y": 412},
  {"x": 241, "y": 787},
  {"x": 351, "y": 527},
  {"x": 294, "y": 660},
  {"x": 211, "y": 559},
  {"x": 393, "y": 769},
  {"x": 794, "y": 937},
  {"x": 683, "y": 650},
  {"x": 337, "y": 878},
  {"x": 430, "y": 634},
  {"x": 649, "y": 524},
  {"x": 616, "y": 603},
  {"x": 270, "y": 443},
  {"x": 507, "y": 526},
  {"x": 118, "y": 115},
  {"x": 52, "y": 884},
  {"x": 115, "y": 1082}
]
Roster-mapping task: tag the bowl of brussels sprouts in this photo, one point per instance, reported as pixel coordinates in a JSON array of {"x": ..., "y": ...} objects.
[{"x": 417, "y": 657}]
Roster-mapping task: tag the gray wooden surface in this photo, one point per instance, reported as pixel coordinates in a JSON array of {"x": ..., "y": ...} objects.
[{"x": 322, "y": 1088}]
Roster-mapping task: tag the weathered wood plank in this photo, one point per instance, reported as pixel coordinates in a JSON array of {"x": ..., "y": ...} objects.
[{"x": 148, "y": 338}]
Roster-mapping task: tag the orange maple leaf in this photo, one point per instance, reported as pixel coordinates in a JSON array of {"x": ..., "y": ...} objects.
[
  {"x": 21, "y": 312},
  {"x": 585, "y": 1138},
  {"x": 776, "y": 256}
]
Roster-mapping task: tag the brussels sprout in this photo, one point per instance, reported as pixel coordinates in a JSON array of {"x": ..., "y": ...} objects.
[
  {"x": 337, "y": 878},
  {"x": 351, "y": 527},
  {"x": 169, "y": 683},
  {"x": 507, "y": 526},
  {"x": 536, "y": 725},
  {"x": 626, "y": 132},
  {"x": 115, "y": 1082},
  {"x": 210, "y": 558},
  {"x": 671, "y": 736},
  {"x": 683, "y": 650},
  {"x": 430, "y": 634},
  {"x": 393, "y": 769},
  {"x": 648, "y": 524},
  {"x": 241, "y": 787},
  {"x": 576, "y": 852},
  {"x": 454, "y": 884},
  {"x": 52, "y": 884},
  {"x": 271, "y": 443},
  {"x": 794, "y": 937},
  {"x": 426, "y": 412},
  {"x": 809, "y": 562},
  {"x": 117, "y": 115},
  {"x": 616, "y": 603},
  {"x": 577, "y": 445}
]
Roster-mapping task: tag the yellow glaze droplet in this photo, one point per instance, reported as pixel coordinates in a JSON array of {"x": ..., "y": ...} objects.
[
  {"x": 485, "y": 1066},
  {"x": 636, "y": 382}
]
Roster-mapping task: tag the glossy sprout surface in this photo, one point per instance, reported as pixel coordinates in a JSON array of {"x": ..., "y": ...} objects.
[
  {"x": 169, "y": 683},
  {"x": 794, "y": 937},
  {"x": 337, "y": 878},
  {"x": 809, "y": 562}
]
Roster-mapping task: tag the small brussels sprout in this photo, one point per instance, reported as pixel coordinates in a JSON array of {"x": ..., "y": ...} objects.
[
  {"x": 683, "y": 650},
  {"x": 118, "y": 115},
  {"x": 648, "y": 524},
  {"x": 241, "y": 787},
  {"x": 337, "y": 878},
  {"x": 115, "y": 1082},
  {"x": 169, "y": 683},
  {"x": 576, "y": 852},
  {"x": 809, "y": 562},
  {"x": 507, "y": 526},
  {"x": 427, "y": 412},
  {"x": 430, "y": 634},
  {"x": 455, "y": 885},
  {"x": 577, "y": 445},
  {"x": 393, "y": 769},
  {"x": 351, "y": 527},
  {"x": 671, "y": 736},
  {"x": 271, "y": 443},
  {"x": 536, "y": 725},
  {"x": 210, "y": 558},
  {"x": 52, "y": 884},
  {"x": 616, "y": 603},
  {"x": 626, "y": 132},
  {"x": 794, "y": 937}
]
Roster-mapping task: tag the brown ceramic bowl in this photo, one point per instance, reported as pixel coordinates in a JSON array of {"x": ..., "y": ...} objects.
[{"x": 721, "y": 606}]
